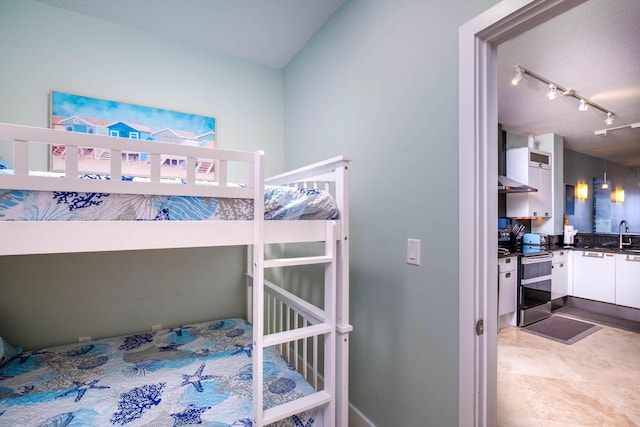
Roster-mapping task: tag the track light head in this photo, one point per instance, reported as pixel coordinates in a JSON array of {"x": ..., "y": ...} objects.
[
  {"x": 519, "y": 74},
  {"x": 583, "y": 105},
  {"x": 609, "y": 120},
  {"x": 551, "y": 93}
]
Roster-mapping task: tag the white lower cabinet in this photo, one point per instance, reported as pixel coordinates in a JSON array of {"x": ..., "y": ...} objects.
[
  {"x": 559, "y": 274},
  {"x": 594, "y": 276},
  {"x": 507, "y": 287},
  {"x": 627, "y": 275}
]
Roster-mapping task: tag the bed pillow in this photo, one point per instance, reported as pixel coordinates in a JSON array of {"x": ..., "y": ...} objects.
[{"x": 7, "y": 351}]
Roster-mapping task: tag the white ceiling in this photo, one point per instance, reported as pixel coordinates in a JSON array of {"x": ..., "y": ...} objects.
[
  {"x": 268, "y": 32},
  {"x": 593, "y": 49}
]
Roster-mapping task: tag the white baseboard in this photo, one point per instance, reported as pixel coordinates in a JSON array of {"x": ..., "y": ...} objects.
[{"x": 357, "y": 418}]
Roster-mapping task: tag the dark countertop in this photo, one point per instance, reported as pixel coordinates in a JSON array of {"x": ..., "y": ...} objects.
[{"x": 627, "y": 251}]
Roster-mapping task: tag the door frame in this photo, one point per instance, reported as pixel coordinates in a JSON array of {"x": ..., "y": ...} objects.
[{"x": 478, "y": 196}]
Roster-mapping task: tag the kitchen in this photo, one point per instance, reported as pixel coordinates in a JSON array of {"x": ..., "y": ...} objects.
[{"x": 590, "y": 262}]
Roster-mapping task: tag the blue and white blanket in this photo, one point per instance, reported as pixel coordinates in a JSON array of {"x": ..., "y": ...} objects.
[
  {"x": 281, "y": 203},
  {"x": 196, "y": 374}
]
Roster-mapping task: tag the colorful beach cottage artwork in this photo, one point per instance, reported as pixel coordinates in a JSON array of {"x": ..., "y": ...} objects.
[{"x": 75, "y": 113}]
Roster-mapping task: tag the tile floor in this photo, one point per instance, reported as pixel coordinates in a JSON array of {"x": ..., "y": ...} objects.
[{"x": 594, "y": 382}]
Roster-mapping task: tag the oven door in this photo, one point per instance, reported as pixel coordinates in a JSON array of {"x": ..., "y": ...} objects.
[{"x": 534, "y": 289}]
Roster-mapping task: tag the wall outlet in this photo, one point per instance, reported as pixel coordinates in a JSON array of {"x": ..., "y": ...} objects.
[
  {"x": 156, "y": 327},
  {"x": 84, "y": 339}
]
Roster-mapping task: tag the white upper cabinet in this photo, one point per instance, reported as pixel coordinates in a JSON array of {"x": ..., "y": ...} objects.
[{"x": 531, "y": 167}]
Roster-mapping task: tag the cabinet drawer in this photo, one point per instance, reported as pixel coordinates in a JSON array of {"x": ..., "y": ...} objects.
[
  {"x": 507, "y": 292},
  {"x": 507, "y": 264},
  {"x": 560, "y": 256}
]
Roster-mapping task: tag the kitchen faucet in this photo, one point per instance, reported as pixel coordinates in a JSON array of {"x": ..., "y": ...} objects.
[{"x": 626, "y": 230}]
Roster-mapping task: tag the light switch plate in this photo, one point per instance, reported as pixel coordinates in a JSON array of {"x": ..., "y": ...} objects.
[{"x": 413, "y": 251}]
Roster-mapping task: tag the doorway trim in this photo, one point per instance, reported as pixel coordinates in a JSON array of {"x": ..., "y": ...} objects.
[{"x": 478, "y": 197}]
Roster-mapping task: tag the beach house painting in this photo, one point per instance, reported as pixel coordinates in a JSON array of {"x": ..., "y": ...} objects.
[{"x": 75, "y": 113}]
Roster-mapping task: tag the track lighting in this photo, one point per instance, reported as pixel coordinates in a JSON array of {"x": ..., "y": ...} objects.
[
  {"x": 604, "y": 131},
  {"x": 519, "y": 74},
  {"x": 584, "y": 106},
  {"x": 554, "y": 89},
  {"x": 609, "y": 120}
]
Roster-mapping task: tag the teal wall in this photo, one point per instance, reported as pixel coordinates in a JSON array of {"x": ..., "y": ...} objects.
[
  {"x": 53, "y": 299},
  {"x": 379, "y": 82}
]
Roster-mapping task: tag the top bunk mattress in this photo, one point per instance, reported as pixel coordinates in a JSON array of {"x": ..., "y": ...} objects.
[{"x": 281, "y": 203}]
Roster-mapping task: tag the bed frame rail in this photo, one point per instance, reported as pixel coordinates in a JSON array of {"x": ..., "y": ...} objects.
[{"x": 23, "y": 178}]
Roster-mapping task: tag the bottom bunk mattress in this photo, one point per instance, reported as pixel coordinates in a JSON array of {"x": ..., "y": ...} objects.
[{"x": 195, "y": 374}]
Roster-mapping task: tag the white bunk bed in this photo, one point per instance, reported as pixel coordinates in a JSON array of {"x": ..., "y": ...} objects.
[{"x": 279, "y": 319}]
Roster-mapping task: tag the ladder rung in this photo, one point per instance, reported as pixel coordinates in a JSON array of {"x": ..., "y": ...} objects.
[
  {"x": 296, "y": 334},
  {"x": 288, "y": 262},
  {"x": 305, "y": 403}
]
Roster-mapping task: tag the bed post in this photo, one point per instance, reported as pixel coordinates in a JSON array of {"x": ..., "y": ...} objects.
[
  {"x": 342, "y": 320},
  {"x": 258, "y": 288}
]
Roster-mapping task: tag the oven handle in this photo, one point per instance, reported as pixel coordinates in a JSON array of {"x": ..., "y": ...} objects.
[
  {"x": 536, "y": 259},
  {"x": 535, "y": 280}
]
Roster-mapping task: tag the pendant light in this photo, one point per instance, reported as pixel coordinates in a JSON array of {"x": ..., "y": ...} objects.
[{"x": 605, "y": 184}]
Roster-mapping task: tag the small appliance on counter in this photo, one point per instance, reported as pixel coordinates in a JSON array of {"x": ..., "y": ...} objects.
[
  {"x": 533, "y": 243},
  {"x": 504, "y": 226},
  {"x": 569, "y": 234},
  {"x": 555, "y": 240}
]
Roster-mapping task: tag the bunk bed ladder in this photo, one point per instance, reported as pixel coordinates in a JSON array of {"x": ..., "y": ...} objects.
[{"x": 317, "y": 322}]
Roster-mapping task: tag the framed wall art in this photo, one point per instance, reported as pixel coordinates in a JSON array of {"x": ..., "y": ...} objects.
[
  {"x": 569, "y": 199},
  {"x": 75, "y": 113}
]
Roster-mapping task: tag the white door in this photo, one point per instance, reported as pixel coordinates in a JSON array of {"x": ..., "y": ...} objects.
[{"x": 478, "y": 197}]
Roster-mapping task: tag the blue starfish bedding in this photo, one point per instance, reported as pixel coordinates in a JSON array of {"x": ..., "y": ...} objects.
[
  {"x": 195, "y": 374},
  {"x": 281, "y": 203}
]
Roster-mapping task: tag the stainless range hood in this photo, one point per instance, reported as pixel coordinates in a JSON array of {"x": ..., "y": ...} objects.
[{"x": 508, "y": 185}]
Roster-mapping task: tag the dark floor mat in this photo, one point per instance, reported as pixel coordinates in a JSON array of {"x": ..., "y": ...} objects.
[
  {"x": 562, "y": 329},
  {"x": 602, "y": 319}
]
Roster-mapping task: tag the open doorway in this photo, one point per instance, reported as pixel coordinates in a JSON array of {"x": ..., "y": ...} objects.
[{"x": 478, "y": 200}]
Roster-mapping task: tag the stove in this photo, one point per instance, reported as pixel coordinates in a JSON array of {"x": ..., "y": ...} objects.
[{"x": 534, "y": 286}]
